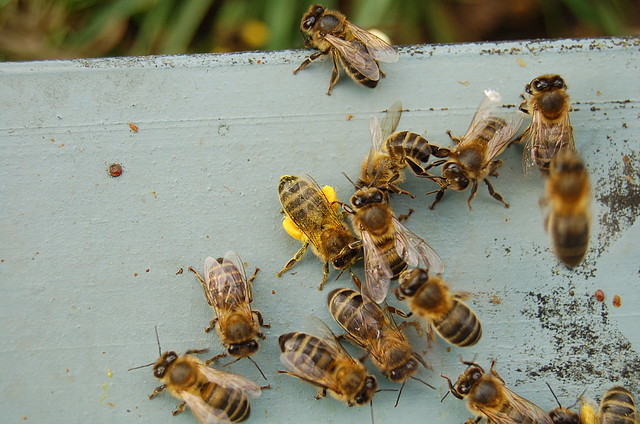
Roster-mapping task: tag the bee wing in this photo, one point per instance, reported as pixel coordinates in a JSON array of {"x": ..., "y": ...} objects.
[
  {"x": 360, "y": 59},
  {"x": 376, "y": 269},
  {"x": 205, "y": 413},
  {"x": 224, "y": 287},
  {"x": 546, "y": 139},
  {"x": 317, "y": 210},
  {"x": 231, "y": 381},
  {"x": 391, "y": 119},
  {"x": 489, "y": 107},
  {"x": 526, "y": 411},
  {"x": 414, "y": 250},
  {"x": 377, "y": 47},
  {"x": 502, "y": 137}
]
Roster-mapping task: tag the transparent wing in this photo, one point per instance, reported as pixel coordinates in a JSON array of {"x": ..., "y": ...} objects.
[
  {"x": 508, "y": 127},
  {"x": 377, "y": 47},
  {"x": 205, "y": 413},
  {"x": 365, "y": 321},
  {"x": 316, "y": 209},
  {"x": 226, "y": 282},
  {"x": 522, "y": 411},
  {"x": 489, "y": 107},
  {"x": 545, "y": 139},
  {"x": 376, "y": 134},
  {"x": 414, "y": 250},
  {"x": 391, "y": 119},
  {"x": 377, "y": 272},
  {"x": 360, "y": 59},
  {"x": 230, "y": 381}
]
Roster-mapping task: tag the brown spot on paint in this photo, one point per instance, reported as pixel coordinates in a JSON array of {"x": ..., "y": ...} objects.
[
  {"x": 134, "y": 127},
  {"x": 115, "y": 170},
  {"x": 599, "y": 295},
  {"x": 617, "y": 301}
]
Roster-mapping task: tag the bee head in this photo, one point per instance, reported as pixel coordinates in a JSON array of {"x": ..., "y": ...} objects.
[
  {"x": 545, "y": 82},
  {"x": 454, "y": 175},
  {"x": 242, "y": 350},
  {"x": 161, "y": 365},
  {"x": 403, "y": 372},
  {"x": 311, "y": 17},
  {"x": 467, "y": 380},
  {"x": 368, "y": 196},
  {"x": 367, "y": 392},
  {"x": 410, "y": 281},
  {"x": 345, "y": 258},
  {"x": 564, "y": 416}
]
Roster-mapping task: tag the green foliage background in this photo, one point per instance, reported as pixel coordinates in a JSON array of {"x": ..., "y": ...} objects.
[{"x": 46, "y": 29}]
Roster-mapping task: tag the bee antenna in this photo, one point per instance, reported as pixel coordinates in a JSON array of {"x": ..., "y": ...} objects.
[
  {"x": 578, "y": 399},
  {"x": 256, "y": 364},
  {"x": 141, "y": 366},
  {"x": 445, "y": 395},
  {"x": 554, "y": 395},
  {"x": 399, "y": 393},
  {"x": 371, "y": 406},
  {"x": 232, "y": 362},
  {"x": 341, "y": 271},
  {"x": 423, "y": 382},
  {"x": 350, "y": 180},
  {"x": 386, "y": 390},
  {"x": 158, "y": 340}
]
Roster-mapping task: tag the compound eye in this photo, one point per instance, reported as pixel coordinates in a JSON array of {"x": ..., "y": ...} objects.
[
  {"x": 233, "y": 350},
  {"x": 159, "y": 371},
  {"x": 378, "y": 197},
  {"x": 537, "y": 84},
  {"x": 356, "y": 201},
  {"x": 558, "y": 83},
  {"x": 309, "y": 22},
  {"x": 252, "y": 344}
]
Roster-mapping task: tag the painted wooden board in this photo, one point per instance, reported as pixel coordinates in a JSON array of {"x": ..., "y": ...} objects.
[{"x": 88, "y": 263}]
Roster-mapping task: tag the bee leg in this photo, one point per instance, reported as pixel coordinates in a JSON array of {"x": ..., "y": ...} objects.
[
  {"x": 214, "y": 359},
  {"x": 321, "y": 394},
  {"x": 157, "y": 391},
  {"x": 308, "y": 61},
  {"x": 414, "y": 324},
  {"x": 398, "y": 312},
  {"x": 406, "y": 216},
  {"x": 212, "y": 325},
  {"x": 325, "y": 275},
  {"x": 438, "y": 197},
  {"x": 253, "y": 277},
  {"x": 268, "y": 386},
  {"x": 494, "y": 372},
  {"x": 260, "y": 320},
  {"x": 472, "y": 421},
  {"x": 181, "y": 407},
  {"x": 455, "y": 140},
  {"x": 474, "y": 192},
  {"x": 394, "y": 188},
  {"x": 493, "y": 194},
  {"x": 335, "y": 73},
  {"x": 356, "y": 280},
  {"x": 295, "y": 259},
  {"x": 196, "y": 351},
  {"x": 382, "y": 74}
]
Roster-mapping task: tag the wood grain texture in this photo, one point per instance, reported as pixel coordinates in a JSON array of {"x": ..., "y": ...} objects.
[{"x": 88, "y": 262}]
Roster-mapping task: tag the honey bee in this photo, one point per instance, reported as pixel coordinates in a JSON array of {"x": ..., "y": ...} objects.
[
  {"x": 388, "y": 246},
  {"x": 430, "y": 298},
  {"x": 323, "y": 362},
  {"x": 488, "y": 397},
  {"x": 309, "y": 210},
  {"x": 568, "y": 199},
  {"x": 616, "y": 407},
  {"x": 228, "y": 292},
  {"x": 561, "y": 415},
  {"x": 472, "y": 159},
  {"x": 371, "y": 328},
  {"x": 391, "y": 153},
  {"x": 550, "y": 129},
  {"x": 214, "y": 396},
  {"x": 358, "y": 51}
]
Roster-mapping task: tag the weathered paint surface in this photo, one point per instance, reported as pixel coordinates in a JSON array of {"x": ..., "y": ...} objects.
[{"x": 88, "y": 262}]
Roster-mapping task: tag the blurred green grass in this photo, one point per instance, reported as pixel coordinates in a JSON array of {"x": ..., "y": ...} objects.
[{"x": 47, "y": 29}]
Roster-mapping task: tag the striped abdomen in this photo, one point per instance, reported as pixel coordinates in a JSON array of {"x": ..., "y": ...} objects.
[
  {"x": 617, "y": 407},
  {"x": 230, "y": 280},
  {"x": 408, "y": 144},
  {"x": 353, "y": 73},
  {"x": 234, "y": 402},
  {"x": 570, "y": 236},
  {"x": 460, "y": 326},
  {"x": 303, "y": 202},
  {"x": 348, "y": 308},
  {"x": 314, "y": 348}
]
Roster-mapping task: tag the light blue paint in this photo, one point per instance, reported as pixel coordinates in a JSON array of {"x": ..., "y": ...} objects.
[{"x": 215, "y": 134}]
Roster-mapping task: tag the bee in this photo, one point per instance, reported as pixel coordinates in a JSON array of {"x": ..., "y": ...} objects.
[
  {"x": 430, "y": 298},
  {"x": 488, "y": 397},
  {"x": 317, "y": 223},
  {"x": 323, "y": 362},
  {"x": 214, "y": 396},
  {"x": 228, "y": 292},
  {"x": 561, "y": 415},
  {"x": 391, "y": 153},
  {"x": 550, "y": 129},
  {"x": 473, "y": 158},
  {"x": 568, "y": 199},
  {"x": 616, "y": 407},
  {"x": 388, "y": 246},
  {"x": 371, "y": 328},
  {"x": 358, "y": 51}
]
